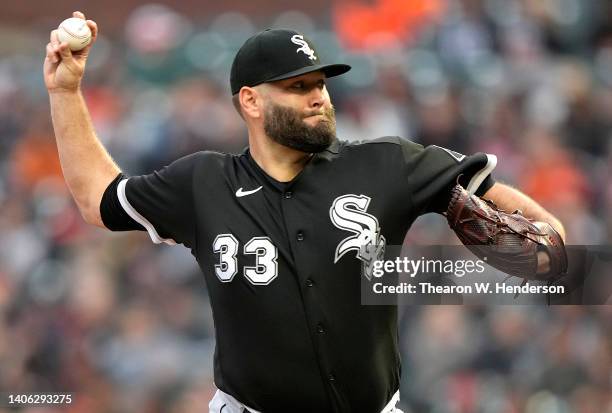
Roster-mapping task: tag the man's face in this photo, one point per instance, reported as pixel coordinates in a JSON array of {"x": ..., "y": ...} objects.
[{"x": 298, "y": 113}]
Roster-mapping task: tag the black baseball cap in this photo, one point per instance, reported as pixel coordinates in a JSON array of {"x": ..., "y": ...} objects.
[{"x": 276, "y": 54}]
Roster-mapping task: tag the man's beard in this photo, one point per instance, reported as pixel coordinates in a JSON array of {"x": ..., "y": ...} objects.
[{"x": 286, "y": 126}]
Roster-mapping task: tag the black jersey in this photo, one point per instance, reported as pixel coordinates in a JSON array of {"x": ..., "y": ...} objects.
[{"x": 282, "y": 261}]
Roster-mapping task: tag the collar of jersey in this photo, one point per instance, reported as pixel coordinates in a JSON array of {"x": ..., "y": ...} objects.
[
  {"x": 328, "y": 154},
  {"x": 278, "y": 185},
  {"x": 331, "y": 151}
]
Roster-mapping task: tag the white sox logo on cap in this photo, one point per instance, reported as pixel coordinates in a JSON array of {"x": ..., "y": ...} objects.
[{"x": 305, "y": 48}]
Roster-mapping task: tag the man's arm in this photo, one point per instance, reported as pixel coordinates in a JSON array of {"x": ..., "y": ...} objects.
[
  {"x": 88, "y": 168},
  {"x": 510, "y": 199}
]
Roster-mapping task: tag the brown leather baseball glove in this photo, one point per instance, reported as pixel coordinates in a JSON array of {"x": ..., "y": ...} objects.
[{"x": 510, "y": 242}]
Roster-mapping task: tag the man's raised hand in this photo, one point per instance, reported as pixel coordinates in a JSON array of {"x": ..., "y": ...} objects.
[{"x": 63, "y": 68}]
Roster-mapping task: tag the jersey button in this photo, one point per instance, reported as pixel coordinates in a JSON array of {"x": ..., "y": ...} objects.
[
  {"x": 300, "y": 236},
  {"x": 309, "y": 283},
  {"x": 331, "y": 377},
  {"x": 288, "y": 195},
  {"x": 320, "y": 329}
]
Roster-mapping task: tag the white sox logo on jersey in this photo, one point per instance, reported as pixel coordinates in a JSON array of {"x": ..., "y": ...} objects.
[
  {"x": 348, "y": 212},
  {"x": 305, "y": 48}
]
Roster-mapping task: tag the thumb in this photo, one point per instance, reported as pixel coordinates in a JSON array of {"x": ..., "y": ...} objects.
[{"x": 65, "y": 52}]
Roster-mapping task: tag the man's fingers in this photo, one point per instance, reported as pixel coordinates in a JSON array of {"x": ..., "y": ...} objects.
[
  {"x": 55, "y": 43},
  {"x": 51, "y": 54},
  {"x": 93, "y": 27},
  {"x": 65, "y": 52},
  {"x": 78, "y": 14},
  {"x": 53, "y": 38}
]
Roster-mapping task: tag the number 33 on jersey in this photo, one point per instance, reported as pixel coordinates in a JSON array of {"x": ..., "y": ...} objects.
[{"x": 266, "y": 254}]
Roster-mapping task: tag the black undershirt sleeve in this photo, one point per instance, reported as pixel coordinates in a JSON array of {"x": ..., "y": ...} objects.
[{"x": 113, "y": 215}]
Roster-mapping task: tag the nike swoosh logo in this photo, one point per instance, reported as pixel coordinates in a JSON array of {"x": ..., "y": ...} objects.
[{"x": 241, "y": 193}]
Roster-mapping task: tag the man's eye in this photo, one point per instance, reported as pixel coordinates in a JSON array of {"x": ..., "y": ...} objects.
[{"x": 298, "y": 85}]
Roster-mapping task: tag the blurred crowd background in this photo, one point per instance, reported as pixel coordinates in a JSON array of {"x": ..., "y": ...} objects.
[{"x": 126, "y": 325}]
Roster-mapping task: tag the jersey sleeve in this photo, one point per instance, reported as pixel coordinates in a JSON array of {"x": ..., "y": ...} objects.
[
  {"x": 160, "y": 203},
  {"x": 433, "y": 171}
]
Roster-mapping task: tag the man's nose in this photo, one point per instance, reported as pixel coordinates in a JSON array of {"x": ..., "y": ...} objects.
[{"x": 317, "y": 98}]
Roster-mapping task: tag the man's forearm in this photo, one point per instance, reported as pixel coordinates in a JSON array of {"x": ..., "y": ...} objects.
[
  {"x": 510, "y": 199},
  {"x": 87, "y": 166}
]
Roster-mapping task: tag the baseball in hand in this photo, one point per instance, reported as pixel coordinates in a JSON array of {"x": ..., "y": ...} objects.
[{"x": 75, "y": 32}]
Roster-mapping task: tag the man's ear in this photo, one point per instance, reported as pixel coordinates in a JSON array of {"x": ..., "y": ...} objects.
[{"x": 251, "y": 102}]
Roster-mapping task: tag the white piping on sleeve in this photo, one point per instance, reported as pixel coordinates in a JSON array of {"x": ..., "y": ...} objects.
[
  {"x": 391, "y": 406},
  {"x": 131, "y": 211},
  {"x": 482, "y": 174}
]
